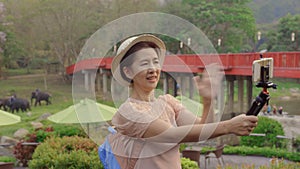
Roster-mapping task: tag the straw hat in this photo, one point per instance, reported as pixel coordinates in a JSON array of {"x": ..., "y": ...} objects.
[{"x": 126, "y": 45}]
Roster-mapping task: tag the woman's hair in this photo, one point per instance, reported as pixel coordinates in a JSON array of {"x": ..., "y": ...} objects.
[{"x": 127, "y": 60}]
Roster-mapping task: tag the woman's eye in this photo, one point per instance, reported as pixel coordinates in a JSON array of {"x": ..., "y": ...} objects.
[{"x": 144, "y": 64}]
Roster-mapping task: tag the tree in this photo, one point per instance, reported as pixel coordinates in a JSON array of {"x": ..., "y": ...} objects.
[
  {"x": 65, "y": 25},
  {"x": 231, "y": 21},
  {"x": 54, "y": 30},
  {"x": 284, "y": 35},
  {"x": 115, "y": 9},
  {"x": 289, "y": 26},
  {"x": 11, "y": 51},
  {"x": 19, "y": 16}
]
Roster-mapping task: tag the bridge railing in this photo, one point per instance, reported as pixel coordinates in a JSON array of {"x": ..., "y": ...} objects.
[
  {"x": 281, "y": 59},
  {"x": 285, "y": 63}
]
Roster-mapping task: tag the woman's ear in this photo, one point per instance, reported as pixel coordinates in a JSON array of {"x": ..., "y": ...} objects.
[{"x": 127, "y": 72}]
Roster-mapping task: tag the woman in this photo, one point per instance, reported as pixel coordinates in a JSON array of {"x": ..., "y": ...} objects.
[{"x": 150, "y": 129}]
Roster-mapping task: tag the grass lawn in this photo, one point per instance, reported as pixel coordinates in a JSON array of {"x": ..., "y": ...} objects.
[{"x": 22, "y": 86}]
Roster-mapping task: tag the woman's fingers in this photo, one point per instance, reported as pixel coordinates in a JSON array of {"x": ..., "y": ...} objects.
[{"x": 243, "y": 125}]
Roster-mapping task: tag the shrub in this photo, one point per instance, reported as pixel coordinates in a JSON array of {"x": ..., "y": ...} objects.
[
  {"x": 42, "y": 134},
  {"x": 275, "y": 164},
  {"x": 267, "y": 126},
  {"x": 7, "y": 159},
  {"x": 59, "y": 131},
  {"x": 66, "y": 130},
  {"x": 67, "y": 152},
  {"x": 186, "y": 163},
  {"x": 263, "y": 151},
  {"x": 24, "y": 153},
  {"x": 296, "y": 144},
  {"x": 182, "y": 146}
]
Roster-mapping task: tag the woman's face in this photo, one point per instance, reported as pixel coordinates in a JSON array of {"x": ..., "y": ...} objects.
[{"x": 145, "y": 69}]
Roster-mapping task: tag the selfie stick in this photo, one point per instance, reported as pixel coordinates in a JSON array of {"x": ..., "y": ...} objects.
[{"x": 264, "y": 97}]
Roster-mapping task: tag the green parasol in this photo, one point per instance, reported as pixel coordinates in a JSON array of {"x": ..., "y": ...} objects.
[
  {"x": 7, "y": 118},
  {"x": 85, "y": 111}
]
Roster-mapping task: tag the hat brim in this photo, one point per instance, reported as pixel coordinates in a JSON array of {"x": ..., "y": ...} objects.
[{"x": 115, "y": 66}]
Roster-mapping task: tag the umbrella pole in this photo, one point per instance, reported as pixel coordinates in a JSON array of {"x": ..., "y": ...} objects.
[{"x": 88, "y": 129}]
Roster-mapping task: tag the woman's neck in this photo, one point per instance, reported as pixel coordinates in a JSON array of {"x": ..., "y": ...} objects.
[{"x": 143, "y": 95}]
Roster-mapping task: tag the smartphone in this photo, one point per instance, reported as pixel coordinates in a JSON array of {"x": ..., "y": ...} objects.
[{"x": 262, "y": 70}]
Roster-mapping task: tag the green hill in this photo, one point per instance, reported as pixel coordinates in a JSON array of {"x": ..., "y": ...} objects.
[{"x": 269, "y": 11}]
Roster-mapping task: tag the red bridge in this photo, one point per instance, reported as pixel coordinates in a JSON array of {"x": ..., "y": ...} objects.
[
  {"x": 286, "y": 64},
  {"x": 237, "y": 67}
]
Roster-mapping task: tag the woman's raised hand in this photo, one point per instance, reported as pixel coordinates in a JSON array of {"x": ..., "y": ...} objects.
[{"x": 208, "y": 84}]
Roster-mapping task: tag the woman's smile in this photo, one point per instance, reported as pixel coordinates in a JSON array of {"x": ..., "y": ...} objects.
[{"x": 152, "y": 78}]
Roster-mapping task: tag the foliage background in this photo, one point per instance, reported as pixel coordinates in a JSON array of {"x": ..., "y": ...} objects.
[{"x": 37, "y": 33}]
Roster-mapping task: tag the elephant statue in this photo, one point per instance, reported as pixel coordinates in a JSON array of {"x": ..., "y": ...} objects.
[
  {"x": 40, "y": 96},
  {"x": 19, "y": 104}
]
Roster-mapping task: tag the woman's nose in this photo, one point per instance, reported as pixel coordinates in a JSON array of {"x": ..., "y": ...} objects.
[
  {"x": 151, "y": 69},
  {"x": 151, "y": 66}
]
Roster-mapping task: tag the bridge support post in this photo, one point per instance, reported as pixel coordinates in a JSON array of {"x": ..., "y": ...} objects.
[
  {"x": 104, "y": 81},
  {"x": 92, "y": 81},
  {"x": 184, "y": 82},
  {"x": 86, "y": 79},
  {"x": 220, "y": 100},
  {"x": 166, "y": 83},
  {"x": 191, "y": 87},
  {"x": 177, "y": 84},
  {"x": 98, "y": 81},
  {"x": 113, "y": 85},
  {"x": 230, "y": 93},
  {"x": 240, "y": 94},
  {"x": 249, "y": 91}
]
